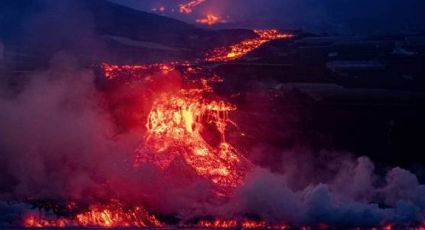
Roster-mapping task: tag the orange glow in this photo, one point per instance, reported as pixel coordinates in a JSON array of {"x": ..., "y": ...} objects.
[
  {"x": 176, "y": 121},
  {"x": 224, "y": 54},
  {"x": 210, "y": 20},
  {"x": 109, "y": 216},
  {"x": 388, "y": 227},
  {"x": 124, "y": 71},
  {"x": 245, "y": 224},
  {"x": 174, "y": 129},
  {"x": 218, "y": 224},
  {"x": 187, "y": 8},
  {"x": 249, "y": 224}
]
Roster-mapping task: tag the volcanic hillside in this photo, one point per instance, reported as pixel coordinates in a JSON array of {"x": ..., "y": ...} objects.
[{"x": 98, "y": 30}]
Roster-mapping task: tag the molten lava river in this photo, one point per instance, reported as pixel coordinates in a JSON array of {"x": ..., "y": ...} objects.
[{"x": 176, "y": 126}]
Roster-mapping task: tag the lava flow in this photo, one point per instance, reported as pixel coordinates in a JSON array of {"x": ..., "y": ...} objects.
[
  {"x": 187, "y": 8},
  {"x": 229, "y": 53},
  {"x": 210, "y": 20},
  {"x": 104, "y": 216},
  {"x": 174, "y": 128},
  {"x": 234, "y": 224},
  {"x": 132, "y": 71}
]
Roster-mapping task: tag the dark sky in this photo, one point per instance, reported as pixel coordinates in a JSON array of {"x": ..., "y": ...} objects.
[{"x": 342, "y": 16}]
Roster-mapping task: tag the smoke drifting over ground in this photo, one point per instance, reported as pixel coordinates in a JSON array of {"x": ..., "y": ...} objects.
[
  {"x": 350, "y": 198},
  {"x": 59, "y": 142}
]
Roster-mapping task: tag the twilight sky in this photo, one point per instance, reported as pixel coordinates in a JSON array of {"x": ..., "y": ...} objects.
[{"x": 342, "y": 16}]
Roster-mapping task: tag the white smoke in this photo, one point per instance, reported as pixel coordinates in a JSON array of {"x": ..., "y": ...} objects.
[{"x": 351, "y": 198}]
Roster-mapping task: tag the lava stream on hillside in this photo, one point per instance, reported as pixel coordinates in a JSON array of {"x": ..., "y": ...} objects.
[
  {"x": 187, "y": 8},
  {"x": 238, "y": 50}
]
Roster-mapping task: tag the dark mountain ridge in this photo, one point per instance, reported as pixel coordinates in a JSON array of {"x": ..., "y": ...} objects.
[{"x": 99, "y": 30}]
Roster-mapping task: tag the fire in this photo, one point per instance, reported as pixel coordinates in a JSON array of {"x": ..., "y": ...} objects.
[
  {"x": 210, "y": 19},
  {"x": 241, "y": 49},
  {"x": 187, "y": 8},
  {"x": 109, "y": 216}
]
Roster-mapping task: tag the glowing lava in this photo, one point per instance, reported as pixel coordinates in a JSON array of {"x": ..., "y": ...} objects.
[
  {"x": 210, "y": 20},
  {"x": 176, "y": 122},
  {"x": 187, "y": 8},
  {"x": 224, "y": 54},
  {"x": 174, "y": 129},
  {"x": 235, "y": 224},
  {"x": 131, "y": 71},
  {"x": 109, "y": 216}
]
